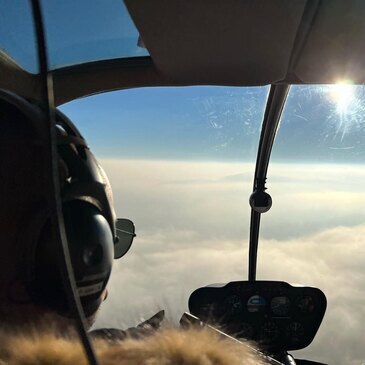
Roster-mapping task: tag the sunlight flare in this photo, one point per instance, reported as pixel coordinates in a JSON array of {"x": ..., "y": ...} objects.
[{"x": 342, "y": 94}]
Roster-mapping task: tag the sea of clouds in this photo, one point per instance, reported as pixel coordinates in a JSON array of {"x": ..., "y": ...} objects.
[{"x": 192, "y": 224}]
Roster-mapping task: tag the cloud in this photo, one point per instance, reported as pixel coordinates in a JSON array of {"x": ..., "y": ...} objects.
[
  {"x": 331, "y": 260},
  {"x": 194, "y": 234}
]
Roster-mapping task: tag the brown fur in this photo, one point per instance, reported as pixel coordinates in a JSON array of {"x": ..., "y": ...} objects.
[{"x": 165, "y": 347}]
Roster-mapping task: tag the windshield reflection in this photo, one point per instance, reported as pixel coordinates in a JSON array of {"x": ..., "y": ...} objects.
[{"x": 329, "y": 118}]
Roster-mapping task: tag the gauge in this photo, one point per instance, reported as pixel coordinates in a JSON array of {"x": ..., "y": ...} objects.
[
  {"x": 306, "y": 304},
  {"x": 233, "y": 305},
  {"x": 280, "y": 306},
  {"x": 269, "y": 332},
  {"x": 256, "y": 303},
  {"x": 295, "y": 331}
]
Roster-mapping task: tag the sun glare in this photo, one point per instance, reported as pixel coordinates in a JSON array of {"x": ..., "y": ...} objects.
[{"x": 342, "y": 94}]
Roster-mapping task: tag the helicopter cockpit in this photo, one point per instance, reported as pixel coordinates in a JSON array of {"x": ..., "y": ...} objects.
[{"x": 221, "y": 125}]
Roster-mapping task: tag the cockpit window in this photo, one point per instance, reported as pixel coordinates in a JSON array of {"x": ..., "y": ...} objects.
[
  {"x": 17, "y": 37},
  {"x": 76, "y": 32},
  {"x": 85, "y": 31}
]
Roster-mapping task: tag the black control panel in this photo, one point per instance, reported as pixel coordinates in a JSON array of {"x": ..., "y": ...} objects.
[{"x": 275, "y": 314}]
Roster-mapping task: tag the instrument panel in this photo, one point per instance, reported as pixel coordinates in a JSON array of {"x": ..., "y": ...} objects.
[{"x": 275, "y": 314}]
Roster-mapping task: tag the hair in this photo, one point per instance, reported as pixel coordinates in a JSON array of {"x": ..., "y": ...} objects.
[{"x": 164, "y": 347}]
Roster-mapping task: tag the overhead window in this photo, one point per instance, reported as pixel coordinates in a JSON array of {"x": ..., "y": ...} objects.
[{"x": 89, "y": 30}]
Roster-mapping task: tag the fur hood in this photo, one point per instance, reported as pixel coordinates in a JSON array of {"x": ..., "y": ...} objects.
[{"x": 165, "y": 347}]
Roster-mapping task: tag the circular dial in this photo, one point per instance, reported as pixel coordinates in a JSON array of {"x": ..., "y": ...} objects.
[
  {"x": 233, "y": 305},
  {"x": 306, "y": 304},
  {"x": 295, "y": 331},
  {"x": 269, "y": 332},
  {"x": 256, "y": 303},
  {"x": 280, "y": 306}
]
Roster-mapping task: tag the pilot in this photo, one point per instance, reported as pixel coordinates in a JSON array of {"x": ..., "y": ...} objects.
[{"x": 32, "y": 288}]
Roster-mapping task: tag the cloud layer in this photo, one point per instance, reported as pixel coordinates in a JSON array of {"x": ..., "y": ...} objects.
[{"x": 192, "y": 222}]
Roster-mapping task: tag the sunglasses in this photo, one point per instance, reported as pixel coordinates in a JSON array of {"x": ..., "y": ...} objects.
[{"x": 125, "y": 234}]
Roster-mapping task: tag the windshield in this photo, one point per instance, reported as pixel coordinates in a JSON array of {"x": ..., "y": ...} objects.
[{"x": 181, "y": 162}]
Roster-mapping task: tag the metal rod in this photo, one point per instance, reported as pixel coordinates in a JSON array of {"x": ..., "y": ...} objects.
[
  {"x": 270, "y": 124},
  {"x": 65, "y": 260},
  {"x": 275, "y": 103}
]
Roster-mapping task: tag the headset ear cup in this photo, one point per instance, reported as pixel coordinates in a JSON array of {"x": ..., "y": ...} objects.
[{"x": 91, "y": 250}]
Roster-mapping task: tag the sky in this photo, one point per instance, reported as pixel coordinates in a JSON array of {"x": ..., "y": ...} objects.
[
  {"x": 15, "y": 19},
  {"x": 322, "y": 124},
  {"x": 104, "y": 31},
  {"x": 181, "y": 164},
  {"x": 188, "y": 123}
]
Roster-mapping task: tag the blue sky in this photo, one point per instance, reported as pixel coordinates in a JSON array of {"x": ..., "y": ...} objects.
[
  {"x": 105, "y": 30},
  {"x": 16, "y": 19},
  {"x": 221, "y": 124},
  {"x": 190, "y": 123},
  {"x": 76, "y": 31},
  {"x": 323, "y": 124}
]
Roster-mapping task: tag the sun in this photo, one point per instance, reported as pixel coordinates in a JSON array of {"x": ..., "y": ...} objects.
[{"x": 342, "y": 95}]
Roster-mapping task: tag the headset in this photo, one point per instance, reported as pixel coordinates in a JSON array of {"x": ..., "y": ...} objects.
[{"x": 89, "y": 220}]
